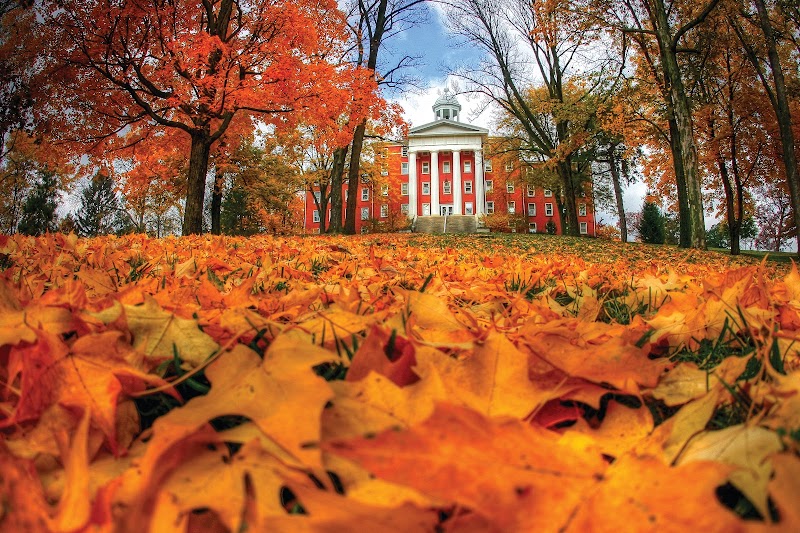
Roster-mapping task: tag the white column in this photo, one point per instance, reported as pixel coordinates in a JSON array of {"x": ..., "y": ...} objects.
[
  {"x": 458, "y": 188},
  {"x": 412, "y": 184},
  {"x": 480, "y": 192},
  {"x": 435, "y": 183}
]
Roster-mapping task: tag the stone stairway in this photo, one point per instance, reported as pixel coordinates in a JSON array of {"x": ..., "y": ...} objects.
[{"x": 448, "y": 224}]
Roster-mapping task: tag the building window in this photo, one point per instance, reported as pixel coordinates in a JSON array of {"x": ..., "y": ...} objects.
[
  {"x": 468, "y": 187},
  {"x": 489, "y": 207},
  {"x": 512, "y": 207},
  {"x": 384, "y": 153},
  {"x": 385, "y": 189},
  {"x": 467, "y": 167},
  {"x": 404, "y": 189},
  {"x": 404, "y": 167},
  {"x": 318, "y": 196},
  {"x": 489, "y": 184},
  {"x": 584, "y": 228},
  {"x": 487, "y": 165},
  {"x": 447, "y": 187},
  {"x": 365, "y": 213},
  {"x": 445, "y": 167},
  {"x": 404, "y": 208},
  {"x": 404, "y": 151},
  {"x": 426, "y": 167},
  {"x": 548, "y": 193},
  {"x": 364, "y": 194},
  {"x": 548, "y": 209},
  {"x": 531, "y": 191},
  {"x": 509, "y": 166},
  {"x": 582, "y": 210},
  {"x": 384, "y": 211},
  {"x": 468, "y": 208},
  {"x": 531, "y": 227},
  {"x": 510, "y": 188},
  {"x": 531, "y": 210},
  {"x": 315, "y": 216},
  {"x": 426, "y": 187}
]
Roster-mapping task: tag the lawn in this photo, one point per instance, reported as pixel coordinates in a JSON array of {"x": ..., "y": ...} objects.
[{"x": 395, "y": 383}]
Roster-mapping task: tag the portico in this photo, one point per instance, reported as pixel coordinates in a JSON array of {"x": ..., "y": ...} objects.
[{"x": 446, "y": 164}]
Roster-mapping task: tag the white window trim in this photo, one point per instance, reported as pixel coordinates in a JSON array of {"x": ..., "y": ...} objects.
[
  {"x": 487, "y": 165},
  {"x": 384, "y": 210},
  {"x": 468, "y": 167},
  {"x": 548, "y": 209},
  {"x": 548, "y": 193},
  {"x": 489, "y": 207},
  {"x": 404, "y": 168},
  {"x": 488, "y": 185},
  {"x": 531, "y": 210},
  {"x": 531, "y": 191},
  {"x": 426, "y": 186},
  {"x": 446, "y": 167},
  {"x": 315, "y": 216},
  {"x": 584, "y": 228},
  {"x": 532, "y": 227},
  {"x": 510, "y": 188},
  {"x": 365, "y": 194},
  {"x": 468, "y": 187},
  {"x": 365, "y": 213},
  {"x": 426, "y": 167},
  {"x": 404, "y": 189},
  {"x": 447, "y": 187},
  {"x": 582, "y": 210},
  {"x": 511, "y": 207}
]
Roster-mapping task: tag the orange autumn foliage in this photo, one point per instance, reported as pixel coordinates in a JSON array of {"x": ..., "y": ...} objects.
[{"x": 393, "y": 383}]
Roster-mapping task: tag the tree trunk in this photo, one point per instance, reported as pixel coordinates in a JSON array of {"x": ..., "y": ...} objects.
[
  {"x": 684, "y": 151},
  {"x": 783, "y": 114},
  {"x": 564, "y": 170},
  {"x": 196, "y": 183},
  {"x": 615, "y": 179},
  {"x": 335, "y": 180},
  {"x": 353, "y": 177},
  {"x": 216, "y": 205}
]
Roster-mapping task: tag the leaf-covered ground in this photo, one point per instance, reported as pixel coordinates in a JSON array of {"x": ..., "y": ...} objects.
[{"x": 395, "y": 383}]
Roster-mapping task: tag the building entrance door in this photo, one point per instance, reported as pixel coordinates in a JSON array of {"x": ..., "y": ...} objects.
[{"x": 445, "y": 210}]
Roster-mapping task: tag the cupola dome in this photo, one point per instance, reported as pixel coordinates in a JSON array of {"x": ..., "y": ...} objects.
[{"x": 447, "y": 106}]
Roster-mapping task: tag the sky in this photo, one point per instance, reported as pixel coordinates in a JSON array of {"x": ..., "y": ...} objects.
[{"x": 440, "y": 53}]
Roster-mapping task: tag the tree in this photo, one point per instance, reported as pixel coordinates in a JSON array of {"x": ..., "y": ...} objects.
[
  {"x": 658, "y": 28},
  {"x": 39, "y": 212},
  {"x": 195, "y": 66},
  {"x": 372, "y": 22},
  {"x": 766, "y": 59},
  {"x": 527, "y": 41},
  {"x": 99, "y": 208},
  {"x": 651, "y": 227}
]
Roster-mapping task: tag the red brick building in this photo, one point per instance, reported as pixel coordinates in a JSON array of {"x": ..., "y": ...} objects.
[{"x": 450, "y": 168}]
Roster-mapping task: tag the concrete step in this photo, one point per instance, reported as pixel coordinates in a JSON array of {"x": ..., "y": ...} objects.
[{"x": 448, "y": 224}]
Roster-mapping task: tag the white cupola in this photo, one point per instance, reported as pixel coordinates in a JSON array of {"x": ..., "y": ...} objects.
[{"x": 447, "y": 107}]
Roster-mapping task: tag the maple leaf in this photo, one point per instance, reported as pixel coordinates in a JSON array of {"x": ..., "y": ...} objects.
[
  {"x": 598, "y": 352},
  {"x": 493, "y": 378},
  {"x": 515, "y": 475},
  {"x": 747, "y": 448},
  {"x": 160, "y": 334},
  {"x": 648, "y": 495}
]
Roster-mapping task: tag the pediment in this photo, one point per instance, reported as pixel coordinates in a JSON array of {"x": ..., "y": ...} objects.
[{"x": 446, "y": 127}]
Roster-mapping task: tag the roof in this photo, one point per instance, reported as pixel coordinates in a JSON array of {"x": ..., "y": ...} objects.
[{"x": 448, "y": 127}]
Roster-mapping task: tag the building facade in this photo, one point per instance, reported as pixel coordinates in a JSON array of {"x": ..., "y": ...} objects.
[{"x": 447, "y": 167}]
